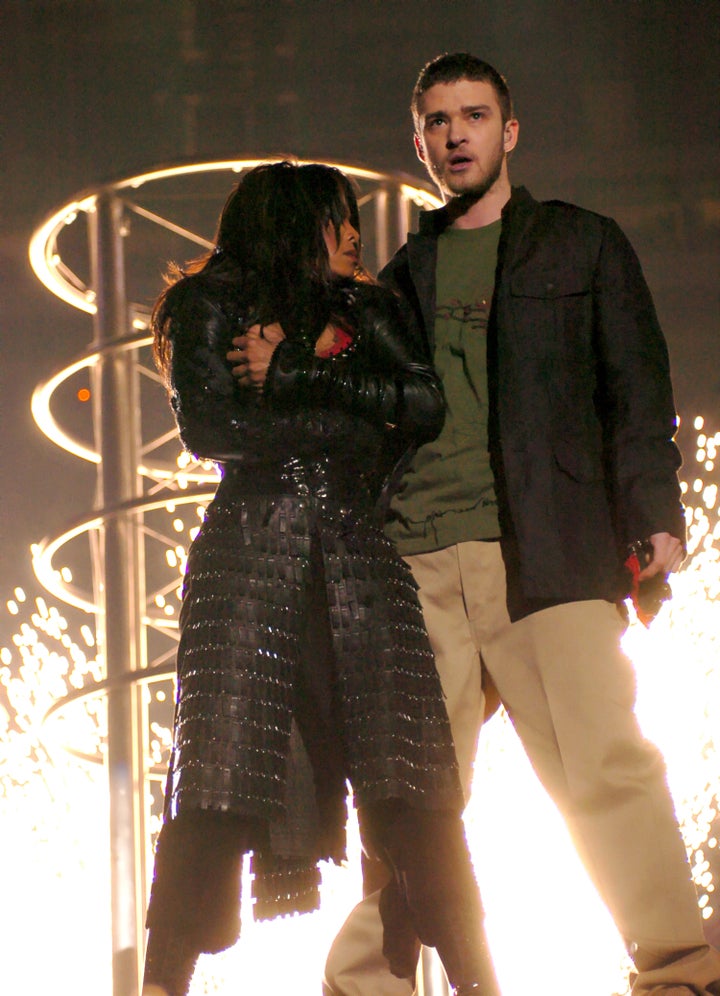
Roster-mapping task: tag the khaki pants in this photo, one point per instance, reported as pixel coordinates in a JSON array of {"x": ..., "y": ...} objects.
[{"x": 570, "y": 693}]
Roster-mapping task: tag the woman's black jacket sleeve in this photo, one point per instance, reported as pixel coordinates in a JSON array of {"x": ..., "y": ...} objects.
[{"x": 377, "y": 379}]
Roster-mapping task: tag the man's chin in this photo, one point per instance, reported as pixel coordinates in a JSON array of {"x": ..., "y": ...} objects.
[
  {"x": 462, "y": 191},
  {"x": 469, "y": 187},
  {"x": 462, "y": 200},
  {"x": 458, "y": 186},
  {"x": 451, "y": 186}
]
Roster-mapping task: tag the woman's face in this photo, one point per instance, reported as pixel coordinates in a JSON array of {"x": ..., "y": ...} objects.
[{"x": 343, "y": 252}]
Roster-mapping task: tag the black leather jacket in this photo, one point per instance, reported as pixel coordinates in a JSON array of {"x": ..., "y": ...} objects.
[
  {"x": 369, "y": 403},
  {"x": 303, "y": 661}
]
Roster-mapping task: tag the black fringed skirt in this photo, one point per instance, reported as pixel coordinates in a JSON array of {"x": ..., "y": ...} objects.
[{"x": 303, "y": 665}]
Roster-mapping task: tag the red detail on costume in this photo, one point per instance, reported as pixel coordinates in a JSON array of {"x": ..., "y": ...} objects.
[{"x": 342, "y": 338}]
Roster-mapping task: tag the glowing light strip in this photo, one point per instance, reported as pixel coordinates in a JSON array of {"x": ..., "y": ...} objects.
[
  {"x": 40, "y": 405},
  {"x": 42, "y": 395},
  {"x": 40, "y": 408},
  {"x": 44, "y": 551},
  {"x": 235, "y": 166},
  {"x": 156, "y": 672},
  {"x": 44, "y": 259},
  {"x": 51, "y": 579},
  {"x": 181, "y": 477},
  {"x": 420, "y": 197}
]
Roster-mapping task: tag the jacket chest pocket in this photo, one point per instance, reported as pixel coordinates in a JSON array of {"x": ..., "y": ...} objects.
[
  {"x": 549, "y": 344},
  {"x": 548, "y": 284},
  {"x": 551, "y": 316}
]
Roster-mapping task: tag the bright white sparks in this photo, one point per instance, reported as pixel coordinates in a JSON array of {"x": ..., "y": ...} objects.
[{"x": 55, "y": 919}]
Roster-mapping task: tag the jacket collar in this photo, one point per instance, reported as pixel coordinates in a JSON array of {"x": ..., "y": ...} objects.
[
  {"x": 422, "y": 248},
  {"x": 433, "y": 223}
]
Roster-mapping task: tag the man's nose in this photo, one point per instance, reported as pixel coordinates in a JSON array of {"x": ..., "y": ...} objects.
[{"x": 456, "y": 135}]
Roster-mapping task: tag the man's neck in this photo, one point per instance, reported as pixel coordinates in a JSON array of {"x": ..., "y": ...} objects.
[{"x": 467, "y": 212}]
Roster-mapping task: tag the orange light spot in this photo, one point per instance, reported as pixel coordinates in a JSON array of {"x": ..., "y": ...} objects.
[{"x": 83, "y": 394}]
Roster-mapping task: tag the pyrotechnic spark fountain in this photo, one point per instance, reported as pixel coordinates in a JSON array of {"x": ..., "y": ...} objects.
[{"x": 53, "y": 803}]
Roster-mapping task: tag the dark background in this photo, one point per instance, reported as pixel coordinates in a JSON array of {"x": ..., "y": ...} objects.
[{"x": 618, "y": 102}]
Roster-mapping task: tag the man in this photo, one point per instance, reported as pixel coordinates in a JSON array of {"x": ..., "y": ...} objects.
[{"x": 557, "y": 454}]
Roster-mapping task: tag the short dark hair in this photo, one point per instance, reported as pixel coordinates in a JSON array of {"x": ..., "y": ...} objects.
[{"x": 452, "y": 67}]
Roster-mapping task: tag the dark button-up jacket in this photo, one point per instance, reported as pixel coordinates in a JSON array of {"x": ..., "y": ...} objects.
[{"x": 582, "y": 416}]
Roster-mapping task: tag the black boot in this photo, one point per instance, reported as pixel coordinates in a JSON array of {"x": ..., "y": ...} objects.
[
  {"x": 169, "y": 963},
  {"x": 467, "y": 961},
  {"x": 433, "y": 878}
]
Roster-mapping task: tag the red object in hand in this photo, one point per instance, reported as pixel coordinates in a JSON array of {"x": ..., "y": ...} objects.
[
  {"x": 633, "y": 566},
  {"x": 647, "y": 596}
]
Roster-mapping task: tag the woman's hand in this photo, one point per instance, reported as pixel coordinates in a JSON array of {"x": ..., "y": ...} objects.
[{"x": 253, "y": 352}]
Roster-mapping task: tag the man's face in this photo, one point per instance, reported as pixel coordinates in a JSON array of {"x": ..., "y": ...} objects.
[{"x": 462, "y": 139}]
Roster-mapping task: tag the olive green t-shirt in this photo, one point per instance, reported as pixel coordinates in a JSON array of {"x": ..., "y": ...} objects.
[{"x": 448, "y": 494}]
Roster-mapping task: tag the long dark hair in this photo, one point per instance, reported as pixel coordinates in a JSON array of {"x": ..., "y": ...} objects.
[{"x": 270, "y": 247}]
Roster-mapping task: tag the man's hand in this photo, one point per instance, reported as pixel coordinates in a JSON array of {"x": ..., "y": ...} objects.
[
  {"x": 253, "y": 352},
  {"x": 668, "y": 554}
]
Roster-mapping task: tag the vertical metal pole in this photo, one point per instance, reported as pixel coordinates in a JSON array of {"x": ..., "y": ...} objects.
[
  {"x": 432, "y": 980},
  {"x": 382, "y": 254},
  {"x": 392, "y": 222},
  {"x": 117, "y": 426},
  {"x": 402, "y": 218}
]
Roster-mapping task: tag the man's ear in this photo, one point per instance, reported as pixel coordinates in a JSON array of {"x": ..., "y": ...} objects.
[
  {"x": 419, "y": 147},
  {"x": 510, "y": 134}
]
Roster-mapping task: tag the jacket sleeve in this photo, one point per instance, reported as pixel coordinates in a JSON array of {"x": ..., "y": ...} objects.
[
  {"x": 216, "y": 417},
  {"x": 395, "y": 276},
  {"x": 635, "y": 396},
  {"x": 378, "y": 378}
]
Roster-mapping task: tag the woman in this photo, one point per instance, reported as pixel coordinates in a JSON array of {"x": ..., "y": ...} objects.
[{"x": 303, "y": 661}]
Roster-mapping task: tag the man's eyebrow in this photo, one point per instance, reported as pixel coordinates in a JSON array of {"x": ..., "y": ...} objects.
[
  {"x": 465, "y": 109},
  {"x": 469, "y": 108}
]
